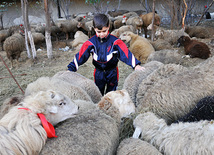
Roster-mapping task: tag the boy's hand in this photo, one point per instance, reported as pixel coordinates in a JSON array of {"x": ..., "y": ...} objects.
[{"x": 138, "y": 67}]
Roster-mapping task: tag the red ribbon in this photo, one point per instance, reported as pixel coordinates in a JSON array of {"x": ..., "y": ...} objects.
[{"x": 46, "y": 125}]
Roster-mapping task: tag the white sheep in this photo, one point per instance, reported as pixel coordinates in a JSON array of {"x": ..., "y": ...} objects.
[
  {"x": 119, "y": 99},
  {"x": 90, "y": 132},
  {"x": 78, "y": 80},
  {"x": 21, "y": 128},
  {"x": 139, "y": 46},
  {"x": 45, "y": 83},
  {"x": 79, "y": 39},
  {"x": 172, "y": 91},
  {"x": 133, "y": 80},
  {"x": 133, "y": 146},
  {"x": 176, "y": 139}
]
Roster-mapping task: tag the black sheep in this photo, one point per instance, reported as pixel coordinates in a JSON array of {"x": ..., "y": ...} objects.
[
  {"x": 194, "y": 48},
  {"x": 204, "y": 110}
]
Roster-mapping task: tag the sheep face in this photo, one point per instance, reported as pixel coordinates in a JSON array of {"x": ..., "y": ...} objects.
[
  {"x": 55, "y": 106},
  {"x": 126, "y": 36},
  {"x": 121, "y": 100},
  {"x": 181, "y": 41}
]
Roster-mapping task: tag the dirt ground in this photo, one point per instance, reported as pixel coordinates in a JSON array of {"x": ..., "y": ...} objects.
[{"x": 29, "y": 71}]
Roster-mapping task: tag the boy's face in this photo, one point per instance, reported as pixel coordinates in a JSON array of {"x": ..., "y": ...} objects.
[{"x": 102, "y": 33}]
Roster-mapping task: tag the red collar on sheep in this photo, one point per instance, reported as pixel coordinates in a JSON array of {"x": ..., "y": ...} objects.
[{"x": 46, "y": 125}]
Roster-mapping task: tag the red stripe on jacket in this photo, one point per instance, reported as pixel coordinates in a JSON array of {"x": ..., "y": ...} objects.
[
  {"x": 123, "y": 47},
  {"x": 84, "y": 48}
]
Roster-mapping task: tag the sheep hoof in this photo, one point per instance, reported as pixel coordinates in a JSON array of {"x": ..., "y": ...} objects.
[{"x": 185, "y": 56}]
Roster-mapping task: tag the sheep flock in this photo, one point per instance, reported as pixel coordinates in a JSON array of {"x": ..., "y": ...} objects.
[{"x": 167, "y": 108}]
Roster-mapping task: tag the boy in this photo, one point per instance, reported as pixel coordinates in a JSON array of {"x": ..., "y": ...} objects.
[{"x": 106, "y": 50}]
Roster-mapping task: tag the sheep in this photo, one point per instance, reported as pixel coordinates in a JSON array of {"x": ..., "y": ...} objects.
[
  {"x": 82, "y": 82},
  {"x": 202, "y": 111},
  {"x": 194, "y": 48},
  {"x": 161, "y": 44},
  {"x": 14, "y": 46},
  {"x": 166, "y": 56},
  {"x": 133, "y": 80},
  {"x": 139, "y": 46},
  {"x": 9, "y": 103},
  {"x": 68, "y": 26},
  {"x": 3, "y": 35},
  {"x": 147, "y": 20},
  {"x": 124, "y": 28},
  {"x": 79, "y": 39},
  {"x": 176, "y": 139},
  {"x": 38, "y": 38},
  {"x": 199, "y": 31},
  {"x": 21, "y": 128},
  {"x": 121, "y": 100},
  {"x": 170, "y": 36},
  {"x": 90, "y": 132},
  {"x": 45, "y": 83},
  {"x": 172, "y": 91},
  {"x": 136, "y": 22},
  {"x": 87, "y": 26},
  {"x": 133, "y": 146},
  {"x": 117, "y": 23},
  {"x": 117, "y": 13}
]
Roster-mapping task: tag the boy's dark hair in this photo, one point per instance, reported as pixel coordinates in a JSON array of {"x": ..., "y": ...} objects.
[{"x": 100, "y": 21}]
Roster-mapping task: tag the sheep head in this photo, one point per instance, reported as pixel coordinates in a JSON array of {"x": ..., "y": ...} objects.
[
  {"x": 126, "y": 36},
  {"x": 55, "y": 106},
  {"x": 181, "y": 41},
  {"x": 119, "y": 99},
  {"x": 147, "y": 122}
]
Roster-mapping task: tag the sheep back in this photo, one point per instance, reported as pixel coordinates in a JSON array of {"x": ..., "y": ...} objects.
[
  {"x": 82, "y": 82},
  {"x": 90, "y": 132},
  {"x": 45, "y": 83},
  {"x": 173, "y": 97},
  {"x": 132, "y": 146},
  {"x": 133, "y": 80}
]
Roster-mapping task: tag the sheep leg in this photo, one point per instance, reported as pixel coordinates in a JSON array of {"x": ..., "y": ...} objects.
[
  {"x": 67, "y": 36},
  {"x": 137, "y": 132}
]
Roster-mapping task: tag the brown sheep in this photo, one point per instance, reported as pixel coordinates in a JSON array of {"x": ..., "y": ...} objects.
[
  {"x": 139, "y": 46},
  {"x": 119, "y": 31},
  {"x": 68, "y": 26},
  {"x": 147, "y": 20},
  {"x": 194, "y": 48},
  {"x": 13, "y": 46}
]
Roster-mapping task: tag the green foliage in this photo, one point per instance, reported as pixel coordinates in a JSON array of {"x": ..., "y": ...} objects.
[{"x": 92, "y": 1}]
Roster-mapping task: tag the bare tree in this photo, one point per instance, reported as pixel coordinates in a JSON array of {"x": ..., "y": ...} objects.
[
  {"x": 153, "y": 19},
  {"x": 185, "y": 13},
  {"x": 48, "y": 30},
  {"x": 28, "y": 29},
  {"x": 204, "y": 12}
]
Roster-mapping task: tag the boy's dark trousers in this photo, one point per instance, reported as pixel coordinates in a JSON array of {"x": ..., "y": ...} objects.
[{"x": 106, "y": 77}]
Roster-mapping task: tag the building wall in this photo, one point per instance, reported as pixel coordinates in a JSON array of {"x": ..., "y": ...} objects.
[{"x": 36, "y": 12}]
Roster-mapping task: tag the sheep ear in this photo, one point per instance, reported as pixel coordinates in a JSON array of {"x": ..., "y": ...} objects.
[{"x": 53, "y": 110}]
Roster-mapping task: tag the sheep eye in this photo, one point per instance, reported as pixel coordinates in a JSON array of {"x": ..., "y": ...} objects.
[{"x": 62, "y": 103}]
